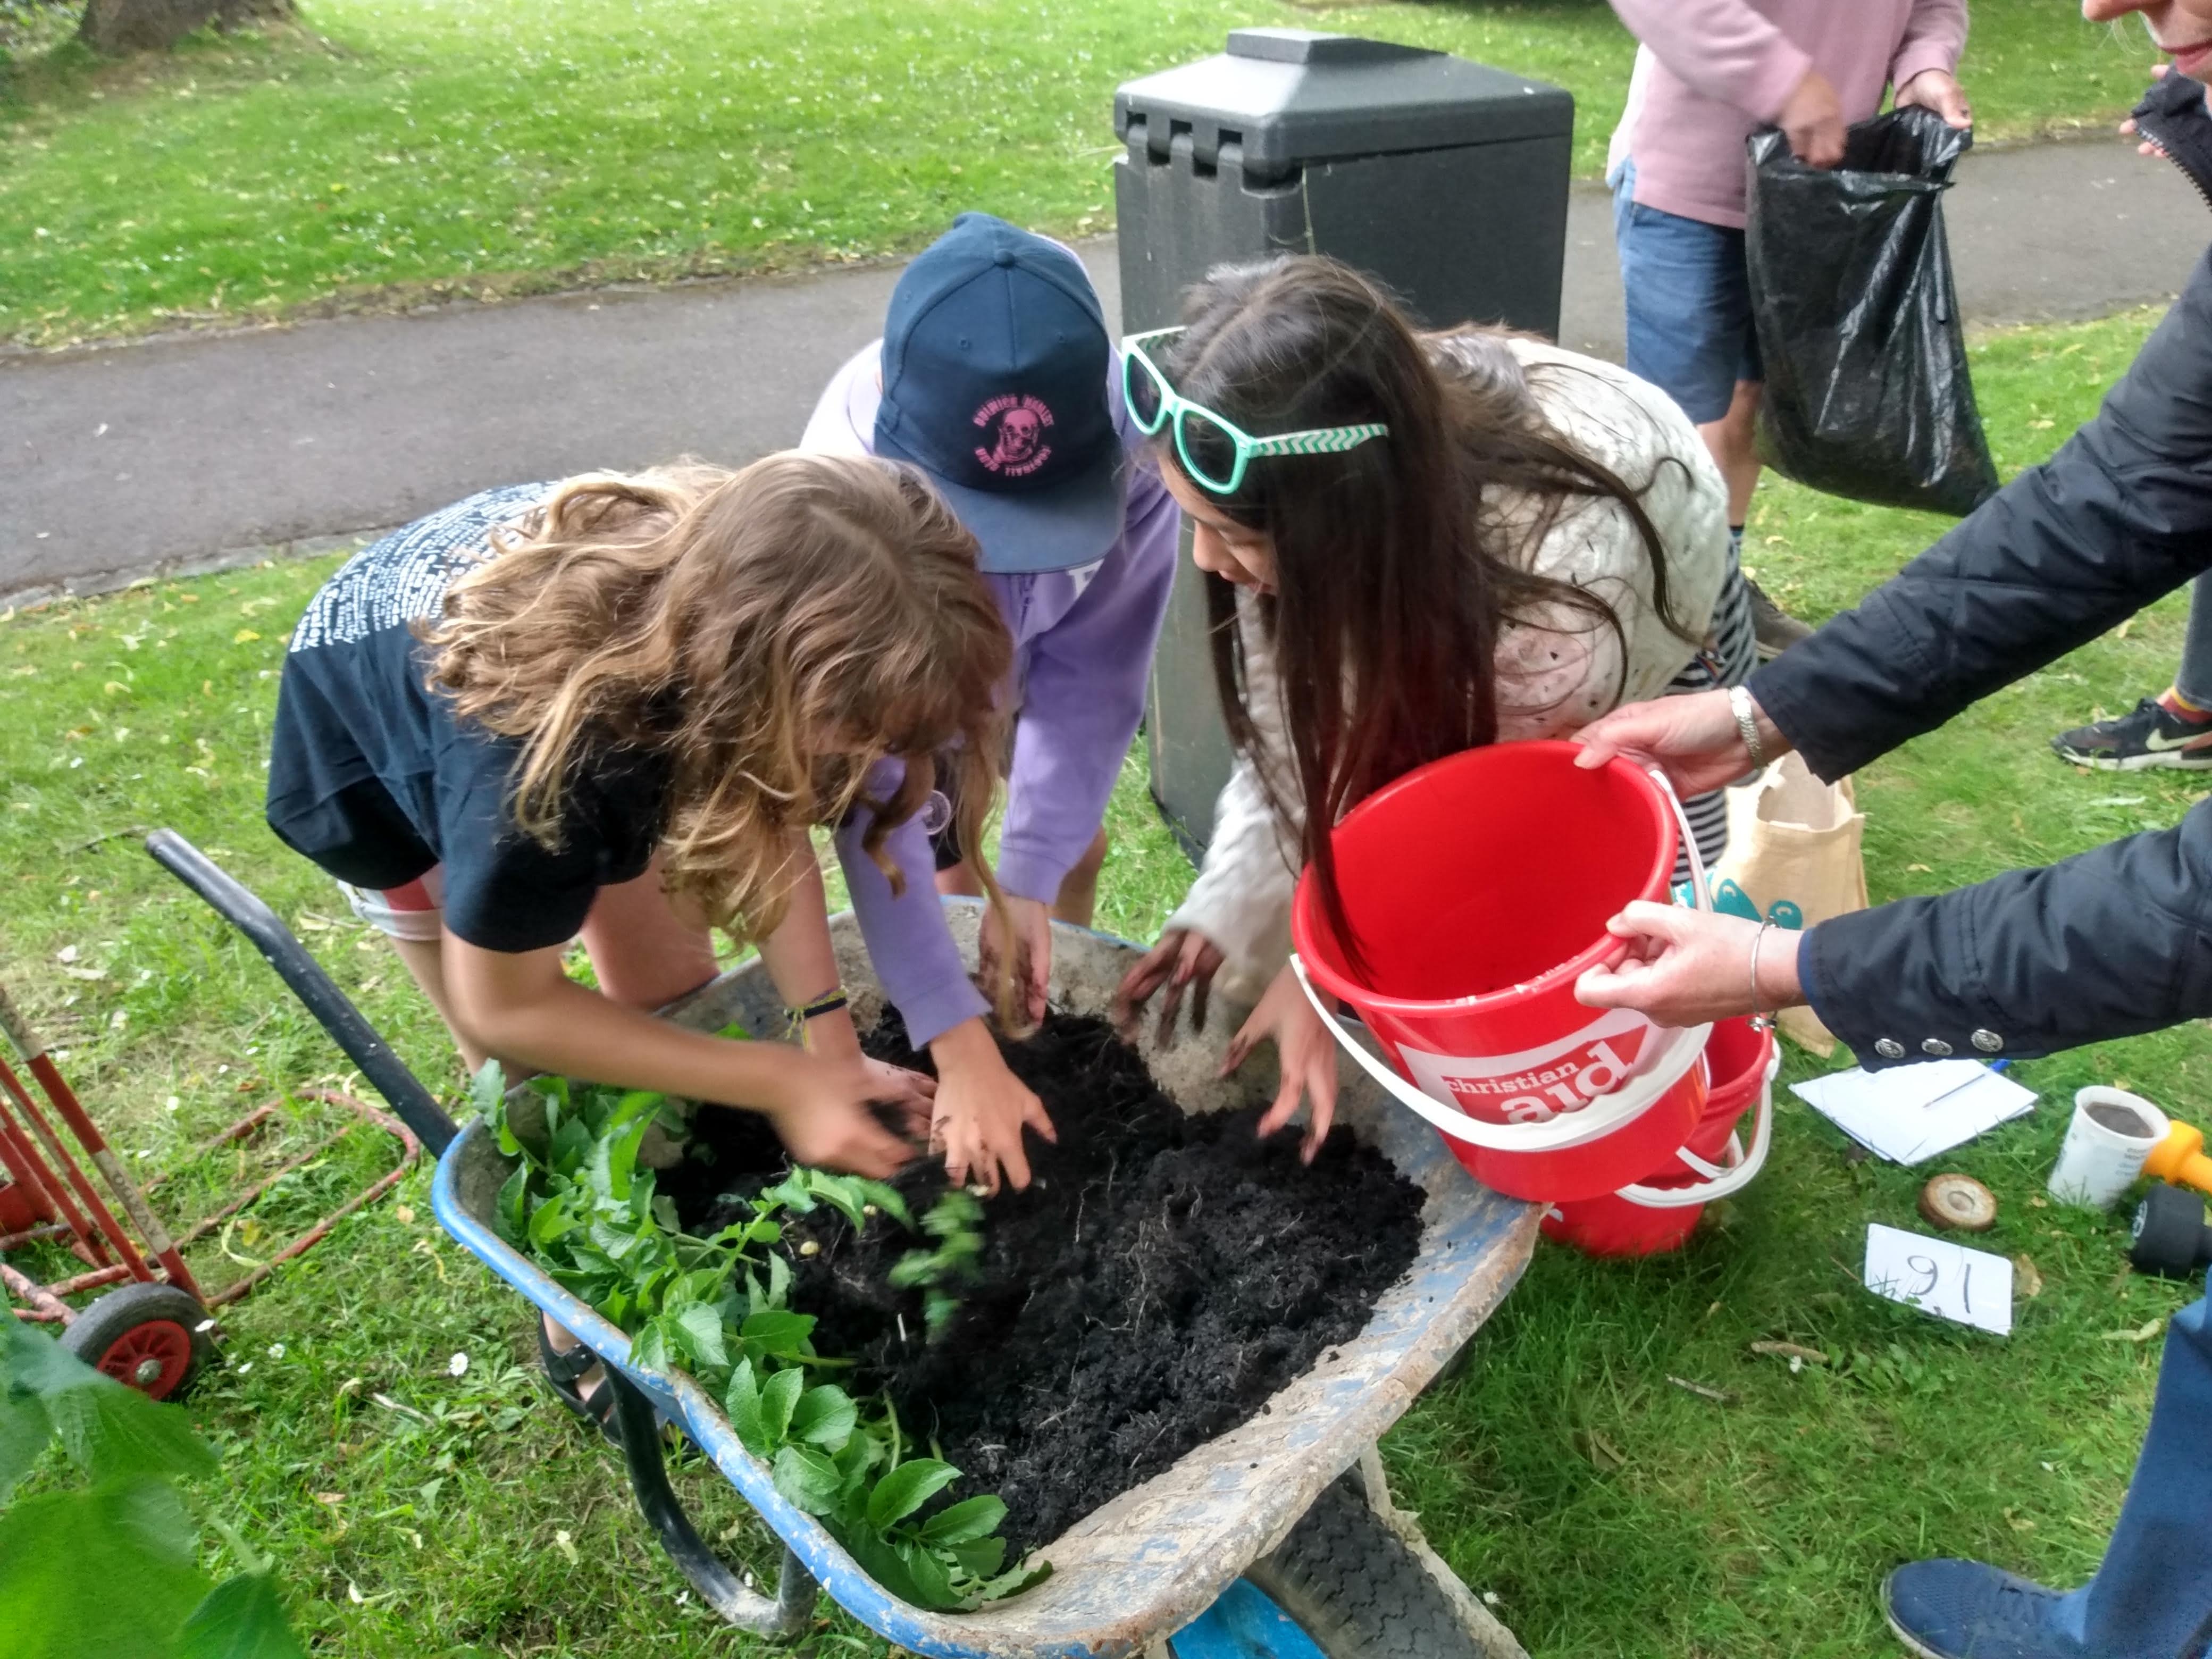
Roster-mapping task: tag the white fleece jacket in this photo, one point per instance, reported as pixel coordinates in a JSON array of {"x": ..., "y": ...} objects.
[{"x": 1555, "y": 673}]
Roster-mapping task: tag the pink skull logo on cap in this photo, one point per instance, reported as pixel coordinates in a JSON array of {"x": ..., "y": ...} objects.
[{"x": 1018, "y": 446}]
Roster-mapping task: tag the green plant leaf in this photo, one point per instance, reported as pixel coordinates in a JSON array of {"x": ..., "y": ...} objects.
[
  {"x": 105, "y": 1571},
  {"x": 704, "y": 1326},
  {"x": 882, "y": 1564},
  {"x": 825, "y": 1416},
  {"x": 742, "y": 1402},
  {"x": 933, "y": 1581},
  {"x": 779, "y": 1334},
  {"x": 887, "y": 1199},
  {"x": 511, "y": 1209},
  {"x": 24, "y": 1433},
  {"x": 1019, "y": 1578},
  {"x": 242, "y": 1618},
  {"x": 550, "y": 1220},
  {"x": 779, "y": 1399},
  {"x": 808, "y": 1479},
  {"x": 105, "y": 1428},
  {"x": 914, "y": 1268},
  {"x": 906, "y": 1488},
  {"x": 979, "y": 1558},
  {"x": 488, "y": 1096},
  {"x": 650, "y": 1351},
  {"x": 792, "y": 1193},
  {"x": 970, "y": 1519},
  {"x": 779, "y": 1280}
]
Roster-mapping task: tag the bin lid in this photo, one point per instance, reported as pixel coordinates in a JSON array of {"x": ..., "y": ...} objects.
[{"x": 1291, "y": 96}]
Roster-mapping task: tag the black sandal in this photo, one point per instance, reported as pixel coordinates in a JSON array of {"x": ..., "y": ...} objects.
[{"x": 564, "y": 1371}]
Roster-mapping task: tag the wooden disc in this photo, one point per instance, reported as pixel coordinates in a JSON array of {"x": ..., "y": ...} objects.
[{"x": 1958, "y": 1203}]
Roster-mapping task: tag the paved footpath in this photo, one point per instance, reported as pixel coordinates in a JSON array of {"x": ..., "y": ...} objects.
[{"x": 190, "y": 452}]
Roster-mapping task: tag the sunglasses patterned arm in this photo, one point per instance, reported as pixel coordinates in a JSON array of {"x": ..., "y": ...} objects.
[{"x": 1153, "y": 404}]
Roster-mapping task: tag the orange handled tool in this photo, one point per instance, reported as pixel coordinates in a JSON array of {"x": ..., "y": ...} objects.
[{"x": 2180, "y": 1159}]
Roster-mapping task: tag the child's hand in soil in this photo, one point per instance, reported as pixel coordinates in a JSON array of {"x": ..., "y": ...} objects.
[
  {"x": 1304, "y": 1052},
  {"x": 981, "y": 1110},
  {"x": 1183, "y": 959},
  {"x": 1032, "y": 957},
  {"x": 825, "y": 1117}
]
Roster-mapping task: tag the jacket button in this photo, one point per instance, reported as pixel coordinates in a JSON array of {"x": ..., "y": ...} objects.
[
  {"x": 1889, "y": 1048},
  {"x": 1988, "y": 1041},
  {"x": 1934, "y": 1046}
]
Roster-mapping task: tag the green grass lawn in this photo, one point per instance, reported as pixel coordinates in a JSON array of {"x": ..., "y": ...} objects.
[
  {"x": 389, "y": 151},
  {"x": 1611, "y": 1513}
]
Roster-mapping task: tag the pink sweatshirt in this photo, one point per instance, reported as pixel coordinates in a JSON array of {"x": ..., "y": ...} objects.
[{"x": 1725, "y": 68}]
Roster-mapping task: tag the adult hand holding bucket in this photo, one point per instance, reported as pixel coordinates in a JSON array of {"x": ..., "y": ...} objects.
[
  {"x": 1477, "y": 891},
  {"x": 1682, "y": 967}
]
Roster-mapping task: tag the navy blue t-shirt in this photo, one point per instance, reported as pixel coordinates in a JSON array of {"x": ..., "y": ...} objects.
[{"x": 372, "y": 777}]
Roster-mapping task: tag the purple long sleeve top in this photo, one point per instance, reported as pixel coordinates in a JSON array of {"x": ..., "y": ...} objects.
[{"x": 1083, "y": 649}]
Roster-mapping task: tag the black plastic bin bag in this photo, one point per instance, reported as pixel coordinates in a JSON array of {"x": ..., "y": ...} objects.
[{"x": 1868, "y": 394}]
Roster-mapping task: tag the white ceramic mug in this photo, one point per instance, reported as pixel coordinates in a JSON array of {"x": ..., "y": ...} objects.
[{"x": 2111, "y": 1133}]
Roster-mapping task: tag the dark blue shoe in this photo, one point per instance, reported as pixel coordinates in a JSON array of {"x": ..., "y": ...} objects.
[{"x": 1968, "y": 1610}]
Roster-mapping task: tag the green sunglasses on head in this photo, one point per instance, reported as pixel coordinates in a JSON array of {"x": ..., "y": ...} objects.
[{"x": 1153, "y": 403}]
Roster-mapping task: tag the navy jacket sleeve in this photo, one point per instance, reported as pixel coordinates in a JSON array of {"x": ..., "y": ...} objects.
[
  {"x": 2111, "y": 943},
  {"x": 2121, "y": 515}
]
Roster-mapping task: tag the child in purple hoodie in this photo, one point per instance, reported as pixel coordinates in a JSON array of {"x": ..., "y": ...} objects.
[{"x": 996, "y": 379}]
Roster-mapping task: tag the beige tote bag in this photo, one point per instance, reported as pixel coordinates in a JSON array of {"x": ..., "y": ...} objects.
[{"x": 1794, "y": 858}]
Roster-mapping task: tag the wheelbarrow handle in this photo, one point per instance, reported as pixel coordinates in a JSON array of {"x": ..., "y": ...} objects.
[{"x": 235, "y": 902}]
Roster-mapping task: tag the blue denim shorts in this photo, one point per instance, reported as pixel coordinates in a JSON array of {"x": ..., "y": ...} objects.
[{"x": 1689, "y": 303}]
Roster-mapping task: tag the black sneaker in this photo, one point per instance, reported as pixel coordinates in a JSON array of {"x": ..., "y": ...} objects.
[
  {"x": 1775, "y": 629},
  {"x": 2153, "y": 735}
]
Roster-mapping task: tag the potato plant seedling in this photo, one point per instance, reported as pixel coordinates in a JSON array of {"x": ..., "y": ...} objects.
[{"x": 719, "y": 1308}]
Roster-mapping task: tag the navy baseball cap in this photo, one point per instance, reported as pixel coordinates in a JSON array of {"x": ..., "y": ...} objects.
[{"x": 995, "y": 365}]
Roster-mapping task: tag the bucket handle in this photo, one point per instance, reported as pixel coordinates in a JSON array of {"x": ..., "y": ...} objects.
[
  {"x": 1569, "y": 1128},
  {"x": 1719, "y": 1183},
  {"x": 1701, "y": 898}
]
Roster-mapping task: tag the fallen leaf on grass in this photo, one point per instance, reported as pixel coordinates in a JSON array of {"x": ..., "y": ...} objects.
[
  {"x": 1601, "y": 1452},
  {"x": 244, "y": 637},
  {"x": 2142, "y": 1335},
  {"x": 331, "y": 1498},
  {"x": 567, "y": 1545},
  {"x": 2025, "y": 1277}
]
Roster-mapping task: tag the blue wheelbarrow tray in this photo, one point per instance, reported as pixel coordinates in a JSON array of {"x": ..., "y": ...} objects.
[{"x": 1143, "y": 1566}]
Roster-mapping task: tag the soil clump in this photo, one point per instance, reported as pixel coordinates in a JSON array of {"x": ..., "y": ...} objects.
[{"x": 1161, "y": 1277}]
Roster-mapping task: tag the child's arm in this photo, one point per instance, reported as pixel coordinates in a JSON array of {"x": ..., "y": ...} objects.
[
  {"x": 523, "y": 1007},
  {"x": 802, "y": 964}
]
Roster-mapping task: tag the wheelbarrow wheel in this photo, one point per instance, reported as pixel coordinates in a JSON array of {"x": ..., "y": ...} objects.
[
  {"x": 146, "y": 1336},
  {"x": 1360, "y": 1591}
]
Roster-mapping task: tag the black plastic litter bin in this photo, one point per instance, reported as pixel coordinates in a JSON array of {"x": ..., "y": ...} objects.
[{"x": 1445, "y": 178}]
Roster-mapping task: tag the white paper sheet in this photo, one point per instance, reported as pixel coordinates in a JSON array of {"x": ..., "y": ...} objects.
[
  {"x": 1968, "y": 1288},
  {"x": 1909, "y": 1113}
]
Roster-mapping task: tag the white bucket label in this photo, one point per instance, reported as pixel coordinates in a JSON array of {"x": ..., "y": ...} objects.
[{"x": 1536, "y": 1084}]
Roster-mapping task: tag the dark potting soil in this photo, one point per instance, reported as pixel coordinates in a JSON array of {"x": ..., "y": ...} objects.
[{"x": 1161, "y": 1278}]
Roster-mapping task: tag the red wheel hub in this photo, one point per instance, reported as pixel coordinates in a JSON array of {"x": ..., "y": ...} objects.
[{"x": 152, "y": 1358}]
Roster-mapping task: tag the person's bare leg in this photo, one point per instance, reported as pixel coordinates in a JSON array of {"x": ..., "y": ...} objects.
[
  {"x": 960, "y": 880},
  {"x": 1732, "y": 443},
  {"x": 648, "y": 947},
  {"x": 426, "y": 967},
  {"x": 1078, "y": 900}
]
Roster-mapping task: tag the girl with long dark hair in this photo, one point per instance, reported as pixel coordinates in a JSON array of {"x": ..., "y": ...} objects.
[{"x": 1414, "y": 544}]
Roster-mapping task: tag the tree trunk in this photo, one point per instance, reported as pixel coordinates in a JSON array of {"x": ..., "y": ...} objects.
[{"x": 121, "y": 26}]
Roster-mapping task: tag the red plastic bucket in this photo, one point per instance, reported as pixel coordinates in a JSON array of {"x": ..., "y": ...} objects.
[
  {"x": 1479, "y": 887},
  {"x": 1660, "y": 1212}
]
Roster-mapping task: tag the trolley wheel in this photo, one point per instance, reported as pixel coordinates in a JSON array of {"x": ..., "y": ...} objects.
[
  {"x": 1356, "y": 1589},
  {"x": 146, "y": 1336}
]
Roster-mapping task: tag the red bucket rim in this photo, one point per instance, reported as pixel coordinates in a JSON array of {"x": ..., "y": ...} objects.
[{"x": 1306, "y": 925}]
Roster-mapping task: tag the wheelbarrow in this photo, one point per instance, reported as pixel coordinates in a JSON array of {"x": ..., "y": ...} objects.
[{"x": 1277, "y": 1538}]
